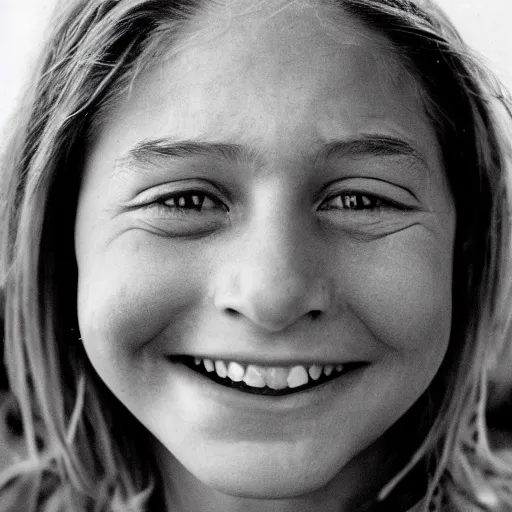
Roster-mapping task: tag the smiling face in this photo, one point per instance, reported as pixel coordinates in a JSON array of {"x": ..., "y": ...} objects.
[{"x": 270, "y": 195}]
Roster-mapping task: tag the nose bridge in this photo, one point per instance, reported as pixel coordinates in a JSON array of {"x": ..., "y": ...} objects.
[
  {"x": 277, "y": 279},
  {"x": 277, "y": 270},
  {"x": 272, "y": 245}
]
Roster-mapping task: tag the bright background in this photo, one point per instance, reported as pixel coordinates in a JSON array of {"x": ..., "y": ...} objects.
[{"x": 485, "y": 24}]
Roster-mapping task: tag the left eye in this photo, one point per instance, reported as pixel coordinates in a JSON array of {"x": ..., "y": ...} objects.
[{"x": 353, "y": 201}]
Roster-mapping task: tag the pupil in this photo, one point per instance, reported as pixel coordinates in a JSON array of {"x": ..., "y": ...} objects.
[
  {"x": 357, "y": 201},
  {"x": 193, "y": 201}
]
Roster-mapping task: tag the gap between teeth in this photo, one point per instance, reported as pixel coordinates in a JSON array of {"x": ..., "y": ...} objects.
[{"x": 275, "y": 377}]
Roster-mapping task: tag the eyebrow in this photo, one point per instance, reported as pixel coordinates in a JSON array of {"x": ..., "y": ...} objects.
[
  {"x": 365, "y": 145},
  {"x": 151, "y": 151},
  {"x": 369, "y": 145}
]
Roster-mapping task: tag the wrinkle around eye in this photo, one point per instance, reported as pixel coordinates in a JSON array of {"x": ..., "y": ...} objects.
[
  {"x": 128, "y": 229},
  {"x": 176, "y": 228},
  {"x": 373, "y": 231}
]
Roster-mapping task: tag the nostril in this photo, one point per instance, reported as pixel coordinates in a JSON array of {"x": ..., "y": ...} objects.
[
  {"x": 231, "y": 312},
  {"x": 314, "y": 314}
]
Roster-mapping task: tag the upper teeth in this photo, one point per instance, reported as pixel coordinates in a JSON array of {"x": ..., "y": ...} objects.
[{"x": 275, "y": 377}]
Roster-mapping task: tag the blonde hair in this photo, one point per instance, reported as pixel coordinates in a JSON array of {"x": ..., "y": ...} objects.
[{"x": 76, "y": 455}]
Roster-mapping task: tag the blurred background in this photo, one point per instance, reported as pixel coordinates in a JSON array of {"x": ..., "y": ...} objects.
[{"x": 485, "y": 24}]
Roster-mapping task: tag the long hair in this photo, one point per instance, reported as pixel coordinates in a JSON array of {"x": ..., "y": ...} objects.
[
  {"x": 75, "y": 453},
  {"x": 81, "y": 449},
  {"x": 471, "y": 113}
]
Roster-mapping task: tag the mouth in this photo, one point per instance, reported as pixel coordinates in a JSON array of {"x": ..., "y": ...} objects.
[{"x": 267, "y": 380}]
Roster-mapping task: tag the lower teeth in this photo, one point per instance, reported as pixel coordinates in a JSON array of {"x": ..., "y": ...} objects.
[{"x": 242, "y": 386}]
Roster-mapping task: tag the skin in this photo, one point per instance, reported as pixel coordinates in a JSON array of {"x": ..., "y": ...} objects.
[{"x": 239, "y": 279}]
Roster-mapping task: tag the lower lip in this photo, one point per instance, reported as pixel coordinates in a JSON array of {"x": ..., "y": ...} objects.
[{"x": 318, "y": 395}]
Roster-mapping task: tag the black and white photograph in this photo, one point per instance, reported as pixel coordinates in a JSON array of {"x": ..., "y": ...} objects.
[{"x": 256, "y": 255}]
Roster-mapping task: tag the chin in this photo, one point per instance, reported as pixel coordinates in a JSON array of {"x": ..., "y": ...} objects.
[
  {"x": 263, "y": 484},
  {"x": 262, "y": 476}
]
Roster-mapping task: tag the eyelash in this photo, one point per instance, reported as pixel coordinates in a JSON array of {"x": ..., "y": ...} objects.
[
  {"x": 355, "y": 201},
  {"x": 191, "y": 200}
]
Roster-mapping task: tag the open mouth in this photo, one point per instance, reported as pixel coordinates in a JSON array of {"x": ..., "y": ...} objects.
[{"x": 266, "y": 380}]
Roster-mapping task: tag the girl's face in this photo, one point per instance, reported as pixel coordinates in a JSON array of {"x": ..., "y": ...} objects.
[{"x": 272, "y": 197}]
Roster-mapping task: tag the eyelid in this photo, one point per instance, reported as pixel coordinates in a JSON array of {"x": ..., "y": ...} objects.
[
  {"x": 161, "y": 193},
  {"x": 188, "y": 192},
  {"x": 383, "y": 190},
  {"x": 386, "y": 202}
]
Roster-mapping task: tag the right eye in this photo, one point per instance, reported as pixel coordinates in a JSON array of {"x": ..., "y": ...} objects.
[
  {"x": 194, "y": 201},
  {"x": 186, "y": 213}
]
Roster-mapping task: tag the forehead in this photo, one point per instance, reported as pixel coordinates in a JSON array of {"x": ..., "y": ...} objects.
[{"x": 259, "y": 72}]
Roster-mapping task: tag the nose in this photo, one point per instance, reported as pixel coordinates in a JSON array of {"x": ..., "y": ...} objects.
[{"x": 273, "y": 279}]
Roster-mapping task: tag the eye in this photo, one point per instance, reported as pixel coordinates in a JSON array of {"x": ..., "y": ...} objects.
[
  {"x": 192, "y": 212},
  {"x": 192, "y": 200},
  {"x": 354, "y": 201}
]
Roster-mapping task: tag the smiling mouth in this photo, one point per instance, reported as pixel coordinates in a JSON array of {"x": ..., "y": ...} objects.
[{"x": 267, "y": 380}]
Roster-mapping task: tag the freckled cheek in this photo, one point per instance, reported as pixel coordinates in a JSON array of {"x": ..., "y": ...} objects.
[
  {"x": 404, "y": 297},
  {"x": 126, "y": 300}
]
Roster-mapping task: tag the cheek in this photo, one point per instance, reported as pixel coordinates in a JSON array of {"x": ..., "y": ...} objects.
[
  {"x": 405, "y": 300},
  {"x": 126, "y": 298}
]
